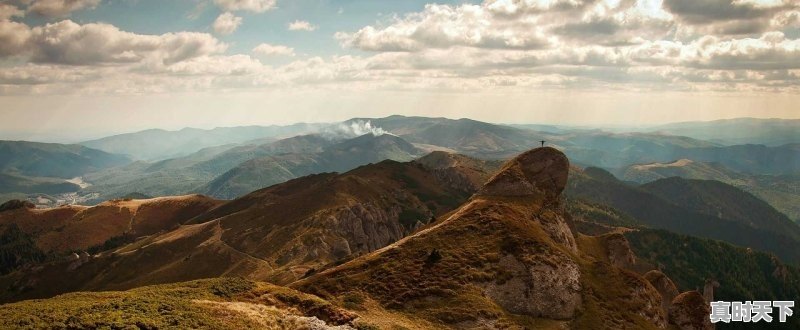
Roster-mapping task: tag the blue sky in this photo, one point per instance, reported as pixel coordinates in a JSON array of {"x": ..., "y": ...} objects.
[
  {"x": 159, "y": 16},
  {"x": 85, "y": 68}
]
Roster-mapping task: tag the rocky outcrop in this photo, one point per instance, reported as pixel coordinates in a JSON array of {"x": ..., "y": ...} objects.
[
  {"x": 619, "y": 251},
  {"x": 366, "y": 227},
  {"x": 539, "y": 289},
  {"x": 16, "y": 204},
  {"x": 666, "y": 288},
  {"x": 81, "y": 259},
  {"x": 708, "y": 289},
  {"x": 689, "y": 311},
  {"x": 539, "y": 173}
]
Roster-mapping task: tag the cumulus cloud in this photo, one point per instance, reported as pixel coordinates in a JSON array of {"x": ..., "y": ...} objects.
[
  {"x": 513, "y": 45},
  {"x": 13, "y": 37},
  {"x": 60, "y": 8},
  {"x": 226, "y": 23},
  {"x": 7, "y": 11},
  {"x": 273, "y": 50},
  {"x": 256, "y": 6},
  {"x": 70, "y": 43},
  {"x": 442, "y": 26},
  {"x": 301, "y": 26}
]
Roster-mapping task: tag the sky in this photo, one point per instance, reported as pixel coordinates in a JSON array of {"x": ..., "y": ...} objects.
[{"x": 80, "y": 69}]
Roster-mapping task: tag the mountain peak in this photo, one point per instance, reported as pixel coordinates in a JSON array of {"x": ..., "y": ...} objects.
[{"x": 540, "y": 172}]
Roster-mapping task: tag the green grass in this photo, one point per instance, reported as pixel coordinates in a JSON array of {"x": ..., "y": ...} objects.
[{"x": 221, "y": 303}]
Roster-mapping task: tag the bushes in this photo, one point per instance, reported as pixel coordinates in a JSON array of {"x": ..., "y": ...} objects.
[{"x": 17, "y": 249}]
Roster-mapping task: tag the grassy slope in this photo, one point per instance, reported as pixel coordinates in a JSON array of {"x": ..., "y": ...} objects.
[
  {"x": 223, "y": 303},
  {"x": 600, "y": 187},
  {"x": 54, "y": 160},
  {"x": 781, "y": 191}
]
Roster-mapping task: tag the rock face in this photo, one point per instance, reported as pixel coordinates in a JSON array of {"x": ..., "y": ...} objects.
[
  {"x": 666, "y": 288},
  {"x": 540, "y": 173},
  {"x": 538, "y": 289},
  {"x": 619, "y": 251},
  {"x": 689, "y": 311}
]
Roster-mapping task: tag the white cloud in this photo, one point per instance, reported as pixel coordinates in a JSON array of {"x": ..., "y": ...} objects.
[
  {"x": 67, "y": 42},
  {"x": 60, "y": 8},
  {"x": 273, "y": 50},
  {"x": 301, "y": 26},
  {"x": 508, "y": 45},
  {"x": 7, "y": 11},
  {"x": 256, "y": 6},
  {"x": 227, "y": 23}
]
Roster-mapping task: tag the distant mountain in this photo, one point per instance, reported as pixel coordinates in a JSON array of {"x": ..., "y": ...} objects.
[
  {"x": 466, "y": 136},
  {"x": 188, "y": 173},
  {"x": 781, "y": 191},
  {"x": 19, "y": 184},
  {"x": 601, "y": 187},
  {"x": 723, "y": 201},
  {"x": 157, "y": 144},
  {"x": 54, "y": 160},
  {"x": 614, "y": 151},
  {"x": 770, "y": 132},
  {"x": 337, "y": 157}
]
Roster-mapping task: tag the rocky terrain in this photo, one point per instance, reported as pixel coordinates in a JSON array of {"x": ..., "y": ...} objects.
[{"x": 418, "y": 245}]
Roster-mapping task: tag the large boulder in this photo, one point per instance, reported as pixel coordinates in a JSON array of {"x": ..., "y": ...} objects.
[
  {"x": 541, "y": 173},
  {"x": 690, "y": 311},
  {"x": 666, "y": 288}
]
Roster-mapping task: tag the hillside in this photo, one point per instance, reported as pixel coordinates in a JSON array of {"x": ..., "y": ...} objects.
[
  {"x": 506, "y": 258},
  {"x": 59, "y": 231},
  {"x": 333, "y": 157},
  {"x": 600, "y": 187},
  {"x": 279, "y": 233},
  {"x": 191, "y": 172},
  {"x": 158, "y": 144},
  {"x": 224, "y": 303},
  {"x": 54, "y": 160},
  {"x": 19, "y": 184},
  {"x": 770, "y": 132},
  {"x": 742, "y": 274},
  {"x": 781, "y": 191},
  {"x": 723, "y": 201}
]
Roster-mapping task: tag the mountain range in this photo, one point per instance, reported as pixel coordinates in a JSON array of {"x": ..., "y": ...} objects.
[
  {"x": 780, "y": 191},
  {"x": 396, "y": 222},
  {"x": 770, "y": 132},
  {"x": 385, "y": 245}
]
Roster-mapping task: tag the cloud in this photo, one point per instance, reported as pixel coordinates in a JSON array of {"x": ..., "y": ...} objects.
[
  {"x": 256, "y": 6},
  {"x": 226, "y": 23},
  {"x": 13, "y": 37},
  {"x": 7, "y": 11},
  {"x": 301, "y": 26},
  {"x": 440, "y": 26},
  {"x": 273, "y": 50},
  {"x": 70, "y": 43},
  {"x": 60, "y": 8},
  {"x": 511, "y": 46},
  {"x": 709, "y": 11}
]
